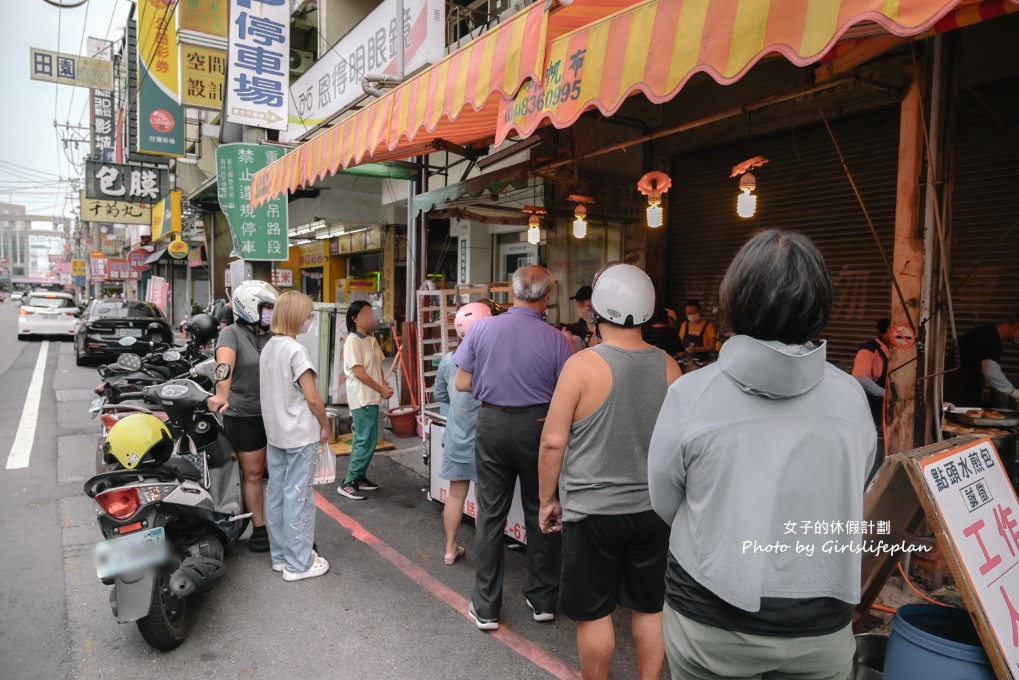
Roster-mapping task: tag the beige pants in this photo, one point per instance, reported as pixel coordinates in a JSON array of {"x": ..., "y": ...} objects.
[{"x": 700, "y": 652}]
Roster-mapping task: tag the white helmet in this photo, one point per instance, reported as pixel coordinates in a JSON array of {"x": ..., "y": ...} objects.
[
  {"x": 249, "y": 297},
  {"x": 470, "y": 313},
  {"x": 623, "y": 295}
]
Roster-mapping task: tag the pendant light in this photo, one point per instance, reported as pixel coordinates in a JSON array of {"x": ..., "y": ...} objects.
[{"x": 653, "y": 185}]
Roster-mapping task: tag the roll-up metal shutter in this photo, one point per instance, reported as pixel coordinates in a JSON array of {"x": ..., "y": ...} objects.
[
  {"x": 802, "y": 188},
  {"x": 985, "y": 209}
]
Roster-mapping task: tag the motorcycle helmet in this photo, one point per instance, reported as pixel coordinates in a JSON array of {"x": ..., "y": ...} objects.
[
  {"x": 467, "y": 315},
  {"x": 623, "y": 295},
  {"x": 250, "y": 297},
  {"x": 202, "y": 328},
  {"x": 138, "y": 437}
]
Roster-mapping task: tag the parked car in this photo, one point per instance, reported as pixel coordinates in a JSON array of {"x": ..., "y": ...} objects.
[
  {"x": 16, "y": 296},
  {"x": 105, "y": 322},
  {"x": 44, "y": 313}
]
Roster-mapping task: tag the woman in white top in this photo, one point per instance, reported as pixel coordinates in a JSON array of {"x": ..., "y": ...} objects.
[{"x": 296, "y": 426}]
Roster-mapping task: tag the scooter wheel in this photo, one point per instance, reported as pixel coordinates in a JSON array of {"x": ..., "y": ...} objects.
[{"x": 169, "y": 619}]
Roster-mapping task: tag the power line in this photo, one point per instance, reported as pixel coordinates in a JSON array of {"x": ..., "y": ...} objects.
[{"x": 81, "y": 44}]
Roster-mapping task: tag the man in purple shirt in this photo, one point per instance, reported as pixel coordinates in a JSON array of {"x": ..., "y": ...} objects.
[{"x": 511, "y": 363}]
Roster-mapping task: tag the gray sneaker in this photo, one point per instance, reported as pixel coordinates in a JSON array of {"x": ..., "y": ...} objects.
[{"x": 351, "y": 491}]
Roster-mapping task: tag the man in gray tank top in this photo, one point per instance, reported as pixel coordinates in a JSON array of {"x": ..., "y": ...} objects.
[{"x": 593, "y": 482}]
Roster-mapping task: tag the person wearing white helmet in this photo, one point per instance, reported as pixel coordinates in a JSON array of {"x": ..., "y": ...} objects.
[
  {"x": 594, "y": 446},
  {"x": 461, "y": 411},
  {"x": 238, "y": 397}
]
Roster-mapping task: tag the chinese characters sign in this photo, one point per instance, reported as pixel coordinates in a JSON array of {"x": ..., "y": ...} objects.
[
  {"x": 118, "y": 269},
  {"x": 113, "y": 212},
  {"x": 202, "y": 76},
  {"x": 258, "y": 88},
  {"x": 978, "y": 508},
  {"x": 206, "y": 17},
  {"x": 70, "y": 69},
  {"x": 97, "y": 265},
  {"x": 166, "y": 217},
  {"x": 132, "y": 183},
  {"x": 157, "y": 292},
  {"x": 312, "y": 254},
  {"x": 258, "y": 233},
  {"x": 561, "y": 89},
  {"x": 160, "y": 113},
  {"x": 334, "y": 82},
  {"x": 283, "y": 278},
  {"x": 103, "y": 126}
]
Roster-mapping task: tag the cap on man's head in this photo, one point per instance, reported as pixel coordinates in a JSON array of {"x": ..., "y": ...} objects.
[{"x": 583, "y": 294}]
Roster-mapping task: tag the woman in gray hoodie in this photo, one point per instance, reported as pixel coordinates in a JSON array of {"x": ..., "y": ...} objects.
[{"x": 758, "y": 463}]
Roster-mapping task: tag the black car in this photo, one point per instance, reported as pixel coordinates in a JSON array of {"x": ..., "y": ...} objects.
[{"x": 105, "y": 322}]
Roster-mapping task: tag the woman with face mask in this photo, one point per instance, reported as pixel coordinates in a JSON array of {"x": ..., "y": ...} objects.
[
  {"x": 697, "y": 334},
  {"x": 238, "y": 399}
]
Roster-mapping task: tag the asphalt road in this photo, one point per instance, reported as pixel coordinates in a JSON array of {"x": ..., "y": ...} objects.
[{"x": 389, "y": 608}]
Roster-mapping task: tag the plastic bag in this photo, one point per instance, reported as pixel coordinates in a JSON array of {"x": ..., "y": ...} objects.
[{"x": 325, "y": 468}]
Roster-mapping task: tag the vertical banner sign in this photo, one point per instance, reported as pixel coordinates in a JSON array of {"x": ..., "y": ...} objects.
[
  {"x": 976, "y": 504},
  {"x": 160, "y": 113},
  {"x": 258, "y": 233},
  {"x": 166, "y": 217},
  {"x": 79, "y": 272},
  {"x": 97, "y": 265},
  {"x": 258, "y": 89},
  {"x": 101, "y": 106},
  {"x": 157, "y": 292},
  {"x": 202, "y": 76}
]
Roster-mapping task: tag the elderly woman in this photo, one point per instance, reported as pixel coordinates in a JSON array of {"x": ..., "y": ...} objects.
[{"x": 745, "y": 452}]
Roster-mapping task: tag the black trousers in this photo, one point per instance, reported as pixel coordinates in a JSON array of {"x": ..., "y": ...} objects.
[{"x": 506, "y": 448}]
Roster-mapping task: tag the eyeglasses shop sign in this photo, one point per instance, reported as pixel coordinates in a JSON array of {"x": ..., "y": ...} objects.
[{"x": 132, "y": 183}]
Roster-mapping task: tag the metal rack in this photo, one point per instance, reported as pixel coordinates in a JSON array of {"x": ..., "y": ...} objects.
[{"x": 436, "y": 334}]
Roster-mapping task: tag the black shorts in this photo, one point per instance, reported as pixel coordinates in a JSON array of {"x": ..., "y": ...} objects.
[
  {"x": 611, "y": 560},
  {"x": 245, "y": 433}
]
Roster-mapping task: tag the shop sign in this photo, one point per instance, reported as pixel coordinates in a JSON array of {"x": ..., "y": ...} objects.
[
  {"x": 259, "y": 56},
  {"x": 71, "y": 69},
  {"x": 119, "y": 269},
  {"x": 132, "y": 183},
  {"x": 283, "y": 278},
  {"x": 202, "y": 76},
  {"x": 333, "y": 83},
  {"x": 114, "y": 212},
  {"x": 977, "y": 506},
  {"x": 157, "y": 292},
  {"x": 97, "y": 265},
  {"x": 177, "y": 249},
  {"x": 160, "y": 112},
  {"x": 103, "y": 126},
  {"x": 205, "y": 17},
  {"x": 312, "y": 254},
  {"x": 166, "y": 217},
  {"x": 258, "y": 233},
  {"x": 78, "y": 268},
  {"x": 195, "y": 257},
  {"x": 136, "y": 259}
]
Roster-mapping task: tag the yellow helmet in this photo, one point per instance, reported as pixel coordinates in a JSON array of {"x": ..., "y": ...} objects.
[{"x": 137, "y": 437}]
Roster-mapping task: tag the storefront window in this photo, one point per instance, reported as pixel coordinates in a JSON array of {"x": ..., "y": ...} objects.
[{"x": 574, "y": 262}]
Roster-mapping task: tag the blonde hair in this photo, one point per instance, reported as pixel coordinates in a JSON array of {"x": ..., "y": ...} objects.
[{"x": 291, "y": 311}]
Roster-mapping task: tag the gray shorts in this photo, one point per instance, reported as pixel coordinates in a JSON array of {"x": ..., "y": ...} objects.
[{"x": 697, "y": 651}]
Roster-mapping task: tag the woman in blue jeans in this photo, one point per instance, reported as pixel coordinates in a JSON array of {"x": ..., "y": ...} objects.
[{"x": 296, "y": 427}]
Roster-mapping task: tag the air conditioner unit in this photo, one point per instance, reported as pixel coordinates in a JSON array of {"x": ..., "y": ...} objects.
[{"x": 300, "y": 61}]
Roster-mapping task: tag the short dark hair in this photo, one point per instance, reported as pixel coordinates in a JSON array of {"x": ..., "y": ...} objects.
[
  {"x": 778, "y": 288},
  {"x": 693, "y": 303},
  {"x": 883, "y": 325},
  {"x": 661, "y": 316},
  {"x": 352, "y": 311}
]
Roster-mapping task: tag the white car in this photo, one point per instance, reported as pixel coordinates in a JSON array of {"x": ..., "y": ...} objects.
[
  {"x": 45, "y": 313},
  {"x": 17, "y": 295}
]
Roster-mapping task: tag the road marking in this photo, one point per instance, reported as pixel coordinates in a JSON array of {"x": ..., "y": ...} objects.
[
  {"x": 515, "y": 641},
  {"x": 21, "y": 449}
]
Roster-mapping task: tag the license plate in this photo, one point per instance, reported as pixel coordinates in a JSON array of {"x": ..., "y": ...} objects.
[
  {"x": 96, "y": 404},
  {"x": 135, "y": 551},
  {"x": 132, "y": 332}
]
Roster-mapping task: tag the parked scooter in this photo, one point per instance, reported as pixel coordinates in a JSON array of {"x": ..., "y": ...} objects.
[{"x": 170, "y": 510}]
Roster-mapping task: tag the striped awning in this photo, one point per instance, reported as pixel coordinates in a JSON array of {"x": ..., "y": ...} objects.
[
  {"x": 656, "y": 46},
  {"x": 455, "y": 100}
]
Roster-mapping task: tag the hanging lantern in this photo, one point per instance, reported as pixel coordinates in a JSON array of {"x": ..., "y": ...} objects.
[
  {"x": 746, "y": 202},
  {"x": 534, "y": 230},
  {"x": 580, "y": 221},
  {"x": 653, "y": 185}
]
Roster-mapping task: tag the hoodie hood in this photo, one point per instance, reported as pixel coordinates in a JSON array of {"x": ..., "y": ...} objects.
[{"x": 767, "y": 368}]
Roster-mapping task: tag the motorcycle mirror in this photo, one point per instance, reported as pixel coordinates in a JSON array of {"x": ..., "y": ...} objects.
[
  {"x": 171, "y": 355},
  {"x": 130, "y": 362},
  {"x": 222, "y": 372},
  {"x": 127, "y": 341}
]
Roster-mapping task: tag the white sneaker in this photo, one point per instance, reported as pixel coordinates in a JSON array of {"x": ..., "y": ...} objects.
[
  {"x": 482, "y": 624},
  {"x": 540, "y": 617},
  {"x": 318, "y": 568}
]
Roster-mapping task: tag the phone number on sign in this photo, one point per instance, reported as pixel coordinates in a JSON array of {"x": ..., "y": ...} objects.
[{"x": 544, "y": 100}]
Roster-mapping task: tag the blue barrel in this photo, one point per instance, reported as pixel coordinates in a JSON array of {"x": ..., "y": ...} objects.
[{"x": 935, "y": 643}]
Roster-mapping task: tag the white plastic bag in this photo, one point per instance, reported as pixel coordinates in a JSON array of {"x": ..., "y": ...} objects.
[{"x": 325, "y": 468}]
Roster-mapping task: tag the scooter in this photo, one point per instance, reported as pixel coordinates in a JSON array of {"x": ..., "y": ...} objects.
[
  {"x": 168, "y": 525},
  {"x": 123, "y": 379}
]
